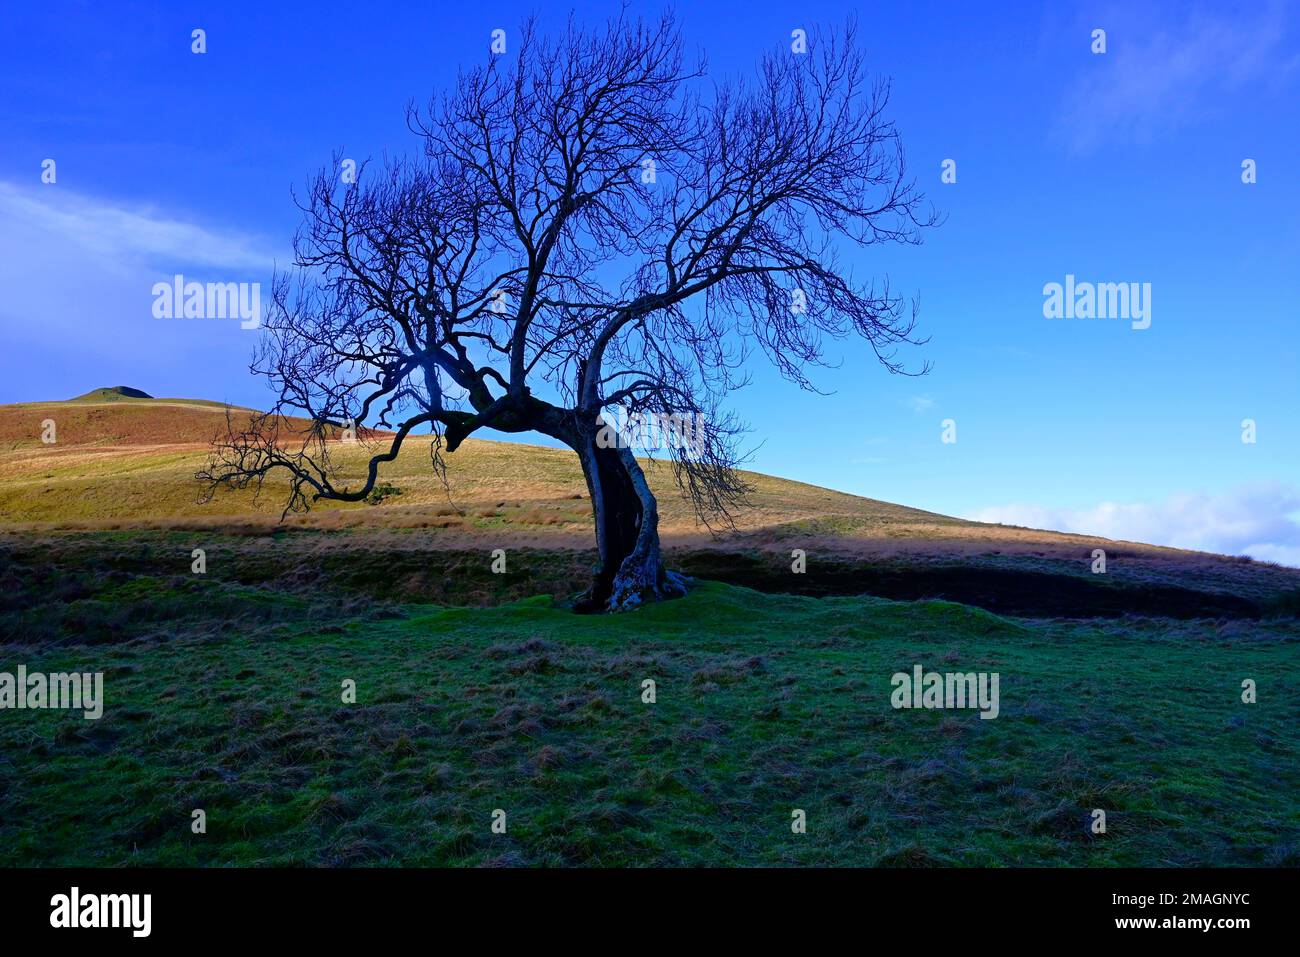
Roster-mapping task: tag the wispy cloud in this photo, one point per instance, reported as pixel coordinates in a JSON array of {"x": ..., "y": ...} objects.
[
  {"x": 919, "y": 403},
  {"x": 1154, "y": 78},
  {"x": 78, "y": 273},
  {"x": 1262, "y": 521},
  {"x": 120, "y": 234}
]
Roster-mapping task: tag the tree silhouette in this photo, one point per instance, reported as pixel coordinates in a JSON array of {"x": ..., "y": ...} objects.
[{"x": 592, "y": 227}]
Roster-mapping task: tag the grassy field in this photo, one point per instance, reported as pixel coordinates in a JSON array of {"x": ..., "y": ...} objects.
[
  {"x": 228, "y": 698},
  {"x": 477, "y": 691}
]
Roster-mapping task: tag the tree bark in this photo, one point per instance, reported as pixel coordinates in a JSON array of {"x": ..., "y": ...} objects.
[{"x": 631, "y": 570}]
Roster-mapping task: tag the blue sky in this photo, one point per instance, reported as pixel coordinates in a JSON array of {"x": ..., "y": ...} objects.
[{"x": 1122, "y": 166}]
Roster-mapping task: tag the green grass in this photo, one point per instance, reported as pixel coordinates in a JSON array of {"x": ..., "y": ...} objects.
[{"x": 225, "y": 696}]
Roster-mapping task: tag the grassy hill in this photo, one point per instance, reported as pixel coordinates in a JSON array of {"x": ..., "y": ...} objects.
[
  {"x": 134, "y": 461},
  {"x": 478, "y": 690},
  {"x": 129, "y": 466}
]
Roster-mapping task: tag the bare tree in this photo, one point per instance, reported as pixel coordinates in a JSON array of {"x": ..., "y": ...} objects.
[{"x": 592, "y": 222}]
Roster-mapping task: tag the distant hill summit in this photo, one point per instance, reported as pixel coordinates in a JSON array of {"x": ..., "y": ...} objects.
[{"x": 111, "y": 394}]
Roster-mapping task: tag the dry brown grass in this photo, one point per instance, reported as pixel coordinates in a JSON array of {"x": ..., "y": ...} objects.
[{"x": 131, "y": 465}]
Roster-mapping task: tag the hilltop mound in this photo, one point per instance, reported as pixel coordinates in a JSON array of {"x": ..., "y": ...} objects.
[
  {"x": 114, "y": 393},
  {"x": 92, "y": 422}
]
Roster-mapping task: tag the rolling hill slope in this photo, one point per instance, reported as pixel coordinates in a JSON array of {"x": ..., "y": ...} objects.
[
  {"x": 479, "y": 689},
  {"x": 133, "y": 460},
  {"x": 128, "y": 464}
]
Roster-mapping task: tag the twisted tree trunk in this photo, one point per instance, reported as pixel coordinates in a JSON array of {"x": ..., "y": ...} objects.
[{"x": 631, "y": 569}]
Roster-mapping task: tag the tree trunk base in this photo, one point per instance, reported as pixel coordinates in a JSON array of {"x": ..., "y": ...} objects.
[
  {"x": 635, "y": 584},
  {"x": 633, "y": 588},
  {"x": 631, "y": 570}
]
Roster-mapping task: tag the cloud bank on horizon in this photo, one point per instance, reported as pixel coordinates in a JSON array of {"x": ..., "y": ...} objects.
[{"x": 1262, "y": 521}]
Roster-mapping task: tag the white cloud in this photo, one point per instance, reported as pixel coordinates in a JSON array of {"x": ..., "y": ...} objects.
[
  {"x": 1262, "y": 521},
  {"x": 919, "y": 403},
  {"x": 78, "y": 273},
  {"x": 1155, "y": 77},
  {"x": 123, "y": 235}
]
